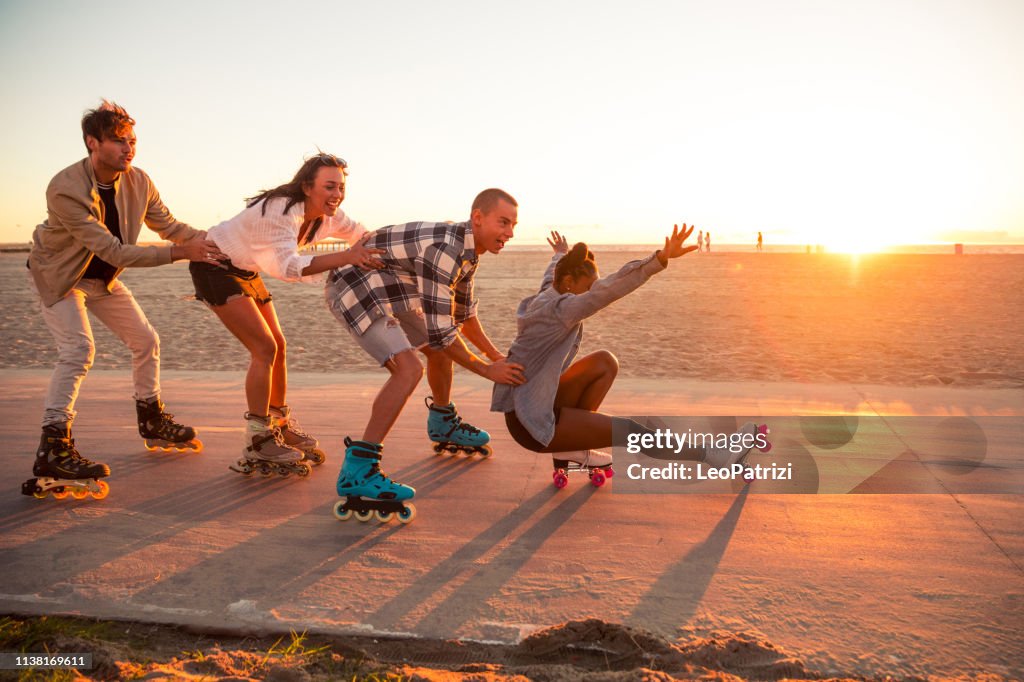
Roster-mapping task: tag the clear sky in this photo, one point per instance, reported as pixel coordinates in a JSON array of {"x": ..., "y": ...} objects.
[{"x": 823, "y": 122}]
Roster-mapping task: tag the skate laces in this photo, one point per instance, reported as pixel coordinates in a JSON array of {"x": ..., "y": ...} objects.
[
  {"x": 166, "y": 419},
  {"x": 71, "y": 453},
  {"x": 461, "y": 425},
  {"x": 292, "y": 426}
]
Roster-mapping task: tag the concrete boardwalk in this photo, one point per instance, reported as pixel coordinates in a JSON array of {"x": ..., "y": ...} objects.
[{"x": 852, "y": 584}]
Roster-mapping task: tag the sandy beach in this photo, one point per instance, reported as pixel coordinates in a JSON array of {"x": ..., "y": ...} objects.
[{"x": 896, "y": 319}]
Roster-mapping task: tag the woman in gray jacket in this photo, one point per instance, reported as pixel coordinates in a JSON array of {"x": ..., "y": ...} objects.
[{"x": 556, "y": 409}]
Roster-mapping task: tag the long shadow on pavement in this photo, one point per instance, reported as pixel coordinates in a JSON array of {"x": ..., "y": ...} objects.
[
  {"x": 470, "y": 598},
  {"x": 277, "y": 563},
  {"x": 673, "y": 599},
  {"x": 37, "y": 565},
  {"x": 389, "y": 615}
]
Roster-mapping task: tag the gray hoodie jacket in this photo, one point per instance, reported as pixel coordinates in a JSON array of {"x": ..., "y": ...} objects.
[{"x": 550, "y": 329}]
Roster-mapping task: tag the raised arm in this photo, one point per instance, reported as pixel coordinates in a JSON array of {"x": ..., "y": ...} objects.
[
  {"x": 560, "y": 246},
  {"x": 630, "y": 277}
]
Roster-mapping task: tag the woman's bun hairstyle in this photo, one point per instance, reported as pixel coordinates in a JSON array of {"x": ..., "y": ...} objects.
[{"x": 577, "y": 263}]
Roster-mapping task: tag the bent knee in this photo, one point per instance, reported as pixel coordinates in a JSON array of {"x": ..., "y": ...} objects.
[
  {"x": 264, "y": 351},
  {"x": 146, "y": 344},
  {"x": 407, "y": 366},
  {"x": 607, "y": 361},
  {"x": 79, "y": 353}
]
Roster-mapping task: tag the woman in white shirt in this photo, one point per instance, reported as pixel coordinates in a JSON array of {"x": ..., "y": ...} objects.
[{"x": 266, "y": 237}]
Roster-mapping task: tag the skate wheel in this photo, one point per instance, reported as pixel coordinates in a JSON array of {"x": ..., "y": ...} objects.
[
  {"x": 364, "y": 516},
  {"x": 438, "y": 448},
  {"x": 383, "y": 517},
  {"x": 597, "y": 479},
  {"x": 340, "y": 512},
  {"x": 195, "y": 445},
  {"x": 266, "y": 469},
  {"x": 80, "y": 493},
  {"x": 452, "y": 449},
  {"x": 60, "y": 493},
  {"x": 284, "y": 473},
  {"x": 150, "y": 447},
  {"x": 305, "y": 468},
  {"x": 609, "y": 472},
  {"x": 485, "y": 451},
  {"x": 40, "y": 494},
  {"x": 317, "y": 457},
  {"x": 104, "y": 490},
  {"x": 561, "y": 480},
  {"x": 407, "y": 514}
]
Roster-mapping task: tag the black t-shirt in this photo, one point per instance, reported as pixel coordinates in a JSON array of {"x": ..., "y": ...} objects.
[{"x": 98, "y": 268}]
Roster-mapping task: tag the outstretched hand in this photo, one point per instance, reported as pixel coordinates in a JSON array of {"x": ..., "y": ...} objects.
[
  {"x": 674, "y": 244},
  {"x": 558, "y": 243},
  {"x": 364, "y": 257}
]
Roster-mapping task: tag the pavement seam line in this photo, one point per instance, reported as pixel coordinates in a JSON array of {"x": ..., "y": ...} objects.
[{"x": 960, "y": 504}]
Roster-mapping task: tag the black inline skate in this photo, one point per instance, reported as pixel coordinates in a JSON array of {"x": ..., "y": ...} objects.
[
  {"x": 161, "y": 431},
  {"x": 61, "y": 470}
]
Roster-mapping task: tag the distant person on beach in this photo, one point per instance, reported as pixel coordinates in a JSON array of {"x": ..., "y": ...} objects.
[
  {"x": 700, "y": 244},
  {"x": 760, "y": 241},
  {"x": 422, "y": 300},
  {"x": 707, "y": 241},
  {"x": 556, "y": 411},
  {"x": 95, "y": 211},
  {"x": 266, "y": 237}
]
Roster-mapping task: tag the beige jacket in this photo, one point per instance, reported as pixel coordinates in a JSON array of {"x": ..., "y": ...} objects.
[{"x": 74, "y": 229}]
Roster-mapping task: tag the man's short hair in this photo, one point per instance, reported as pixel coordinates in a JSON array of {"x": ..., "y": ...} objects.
[
  {"x": 105, "y": 121},
  {"x": 489, "y": 198}
]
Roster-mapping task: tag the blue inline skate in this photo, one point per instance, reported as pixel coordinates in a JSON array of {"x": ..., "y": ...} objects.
[
  {"x": 450, "y": 434},
  {"x": 367, "y": 490}
]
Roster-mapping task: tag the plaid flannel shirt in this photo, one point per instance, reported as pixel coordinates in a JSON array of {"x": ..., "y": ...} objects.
[{"x": 428, "y": 267}]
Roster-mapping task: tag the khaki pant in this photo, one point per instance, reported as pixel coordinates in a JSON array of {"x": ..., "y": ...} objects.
[{"x": 68, "y": 321}]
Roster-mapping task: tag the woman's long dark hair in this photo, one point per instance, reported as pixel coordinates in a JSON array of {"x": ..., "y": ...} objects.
[
  {"x": 578, "y": 262},
  {"x": 293, "y": 190}
]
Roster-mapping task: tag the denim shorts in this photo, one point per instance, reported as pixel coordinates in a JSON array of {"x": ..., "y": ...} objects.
[
  {"x": 390, "y": 335},
  {"x": 217, "y": 285}
]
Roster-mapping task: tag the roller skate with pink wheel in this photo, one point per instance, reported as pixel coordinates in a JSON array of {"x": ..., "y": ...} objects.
[
  {"x": 61, "y": 470},
  {"x": 598, "y": 466}
]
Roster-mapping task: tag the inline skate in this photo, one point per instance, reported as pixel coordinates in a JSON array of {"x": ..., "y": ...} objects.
[
  {"x": 367, "y": 490},
  {"x": 598, "y": 466},
  {"x": 266, "y": 452},
  {"x": 295, "y": 437},
  {"x": 450, "y": 434},
  {"x": 160, "y": 430},
  {"x": 61, "y": 470}
]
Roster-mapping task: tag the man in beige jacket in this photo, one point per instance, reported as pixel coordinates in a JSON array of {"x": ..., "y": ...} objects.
[{"x": 95, "y": 211}]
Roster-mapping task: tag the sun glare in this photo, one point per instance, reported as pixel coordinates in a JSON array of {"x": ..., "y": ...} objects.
[{"x": 860, "y": 244}]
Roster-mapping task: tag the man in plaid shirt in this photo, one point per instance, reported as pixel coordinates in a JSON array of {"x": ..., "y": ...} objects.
[{"x": 423, "y": 300}]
